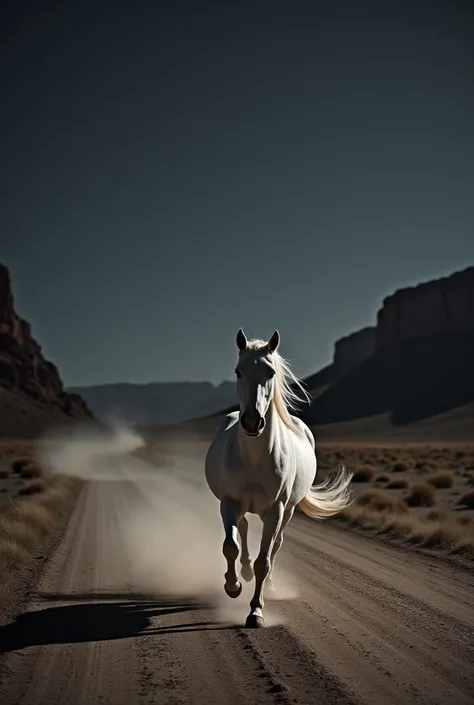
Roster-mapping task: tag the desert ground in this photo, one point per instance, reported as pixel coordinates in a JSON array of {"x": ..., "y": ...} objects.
[{"x": 121, "y": 600}]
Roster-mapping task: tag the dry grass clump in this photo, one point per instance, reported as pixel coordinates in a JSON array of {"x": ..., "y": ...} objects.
[
  {"x": 383, "y": 477},
  {"x": 27, "y": 467},
  {"x": 444, "y": 534},
  {"x": 399, "y": 467},
  {"x": 437, "y": 515},
  {"x": 33, "y": 487},
  {"x": 380, "y": 500},
  {"x": 18, "y": 464},
  {"x": 400, "y": 483},
  {"x": 421, "y": 495},
  {"x": 441, "y": 480},
  {"x": 364, "y": 474},
  {"x": 424, "y": 466},
  {"x": 467, "y": 500},
  {"x": 429, "y": 467},
  {"x": 30, "y": 520}
]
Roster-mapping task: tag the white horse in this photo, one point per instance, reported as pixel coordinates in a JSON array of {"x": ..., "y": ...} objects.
[{"x": 265, "y": 465}]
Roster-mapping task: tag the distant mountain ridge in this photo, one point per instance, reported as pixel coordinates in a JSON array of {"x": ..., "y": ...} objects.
[{"x": 156, "y": 402}]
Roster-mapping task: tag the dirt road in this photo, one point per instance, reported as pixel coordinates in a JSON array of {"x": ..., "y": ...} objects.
[{"x": 371, "y": 624}]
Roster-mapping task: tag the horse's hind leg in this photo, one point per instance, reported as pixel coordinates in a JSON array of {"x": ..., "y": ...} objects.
[
  {"x": 246, "y": 571},
  {"x": 230, "y": 513},
  {"x": 269, "y": 585}
]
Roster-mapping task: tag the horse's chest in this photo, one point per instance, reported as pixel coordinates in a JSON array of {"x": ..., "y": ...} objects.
[
  {"x": 256, "y": 491},
  {"x": 255, "y": 497}
]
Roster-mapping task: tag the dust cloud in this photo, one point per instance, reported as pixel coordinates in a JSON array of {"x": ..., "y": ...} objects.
[{"x": 168, "y": 521}]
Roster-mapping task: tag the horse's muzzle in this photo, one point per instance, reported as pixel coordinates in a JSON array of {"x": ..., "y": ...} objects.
[{"x": 252, "y": 425}]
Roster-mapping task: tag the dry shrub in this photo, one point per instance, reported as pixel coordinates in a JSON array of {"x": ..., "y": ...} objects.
[
  {"x": 441, "y": 480},
  {"x": 443, "y": 535},
  {"x": 399, "y": 467},
  {"x": 380, "y": 500},
  {"x": 401, "y": 483},
  {"x": 30, "y": 520},
  {"x": 16, "y": 530},
  {"x": 27, "y": 467},
  {"x": 382, "y": 478},
  {"x": 18, "y": 463},
  {"x": 467, "y": 500},
  {"x": 425, "y": 533},
  {"x": 421, "y": 495},
  {"x": 33, "y": 487},
  {"x": 4, "y": 473},
  {"x": 12, "y": 555},
  {"x": 437, "y": 515},
  {"x": 470, "y": 481},
  {"x": 426, "y": 466},
  {"x": 364, "y": 474},
  {"x": 35, "y": 516}
]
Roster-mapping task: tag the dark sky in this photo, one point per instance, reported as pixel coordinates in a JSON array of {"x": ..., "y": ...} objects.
[{"x": 172, "y": 171}]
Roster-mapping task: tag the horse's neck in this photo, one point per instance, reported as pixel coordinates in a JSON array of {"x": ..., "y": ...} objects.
[{"x": 256, "y": 448}]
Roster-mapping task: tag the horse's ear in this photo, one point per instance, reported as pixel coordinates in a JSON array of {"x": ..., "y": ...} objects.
[
  {"x": 241, "y": 340},
  {"x": 274, "y": 342}
]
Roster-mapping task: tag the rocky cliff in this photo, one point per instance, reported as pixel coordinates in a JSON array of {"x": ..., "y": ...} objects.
[
  {"x": 351, "y": 350},
  {"x": 423, "y": 360},
  {"x": 23, "y": 368},
  {"x": 439, "y": 307}
]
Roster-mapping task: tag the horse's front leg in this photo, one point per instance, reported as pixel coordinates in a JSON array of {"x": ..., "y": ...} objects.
[
  {"x": 246, "y": 571},
  {"x": 231, "y": 514},
  {"x": 269, "y": 585},
  {"x": 271, "y": 526}
]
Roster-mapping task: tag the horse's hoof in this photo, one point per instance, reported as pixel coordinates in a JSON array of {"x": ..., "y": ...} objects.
[
  {"x": 247, "y": 573},
  {"x": 253, "y": 621},
  {"x": 234, "y": 594}
]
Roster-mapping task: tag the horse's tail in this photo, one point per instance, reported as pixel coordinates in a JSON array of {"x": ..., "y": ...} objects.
[{"x": 328, "y": 498}]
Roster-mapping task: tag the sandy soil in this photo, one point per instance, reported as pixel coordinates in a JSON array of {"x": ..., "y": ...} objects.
[{"x": 371, "y": 624}]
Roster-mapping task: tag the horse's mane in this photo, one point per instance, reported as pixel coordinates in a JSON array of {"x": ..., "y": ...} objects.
[{"x": 285, "y": 398}]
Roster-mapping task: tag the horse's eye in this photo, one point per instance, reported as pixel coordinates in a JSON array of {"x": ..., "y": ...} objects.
[
  {"x": 271, "y": 375},
  {"x": 238, "y": 375}
]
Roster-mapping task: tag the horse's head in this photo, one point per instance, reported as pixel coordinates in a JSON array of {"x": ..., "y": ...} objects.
[{"x": 255, "y": 372}]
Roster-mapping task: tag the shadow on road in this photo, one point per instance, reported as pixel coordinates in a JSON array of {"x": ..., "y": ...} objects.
[{"x": 99, "y": 616}]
